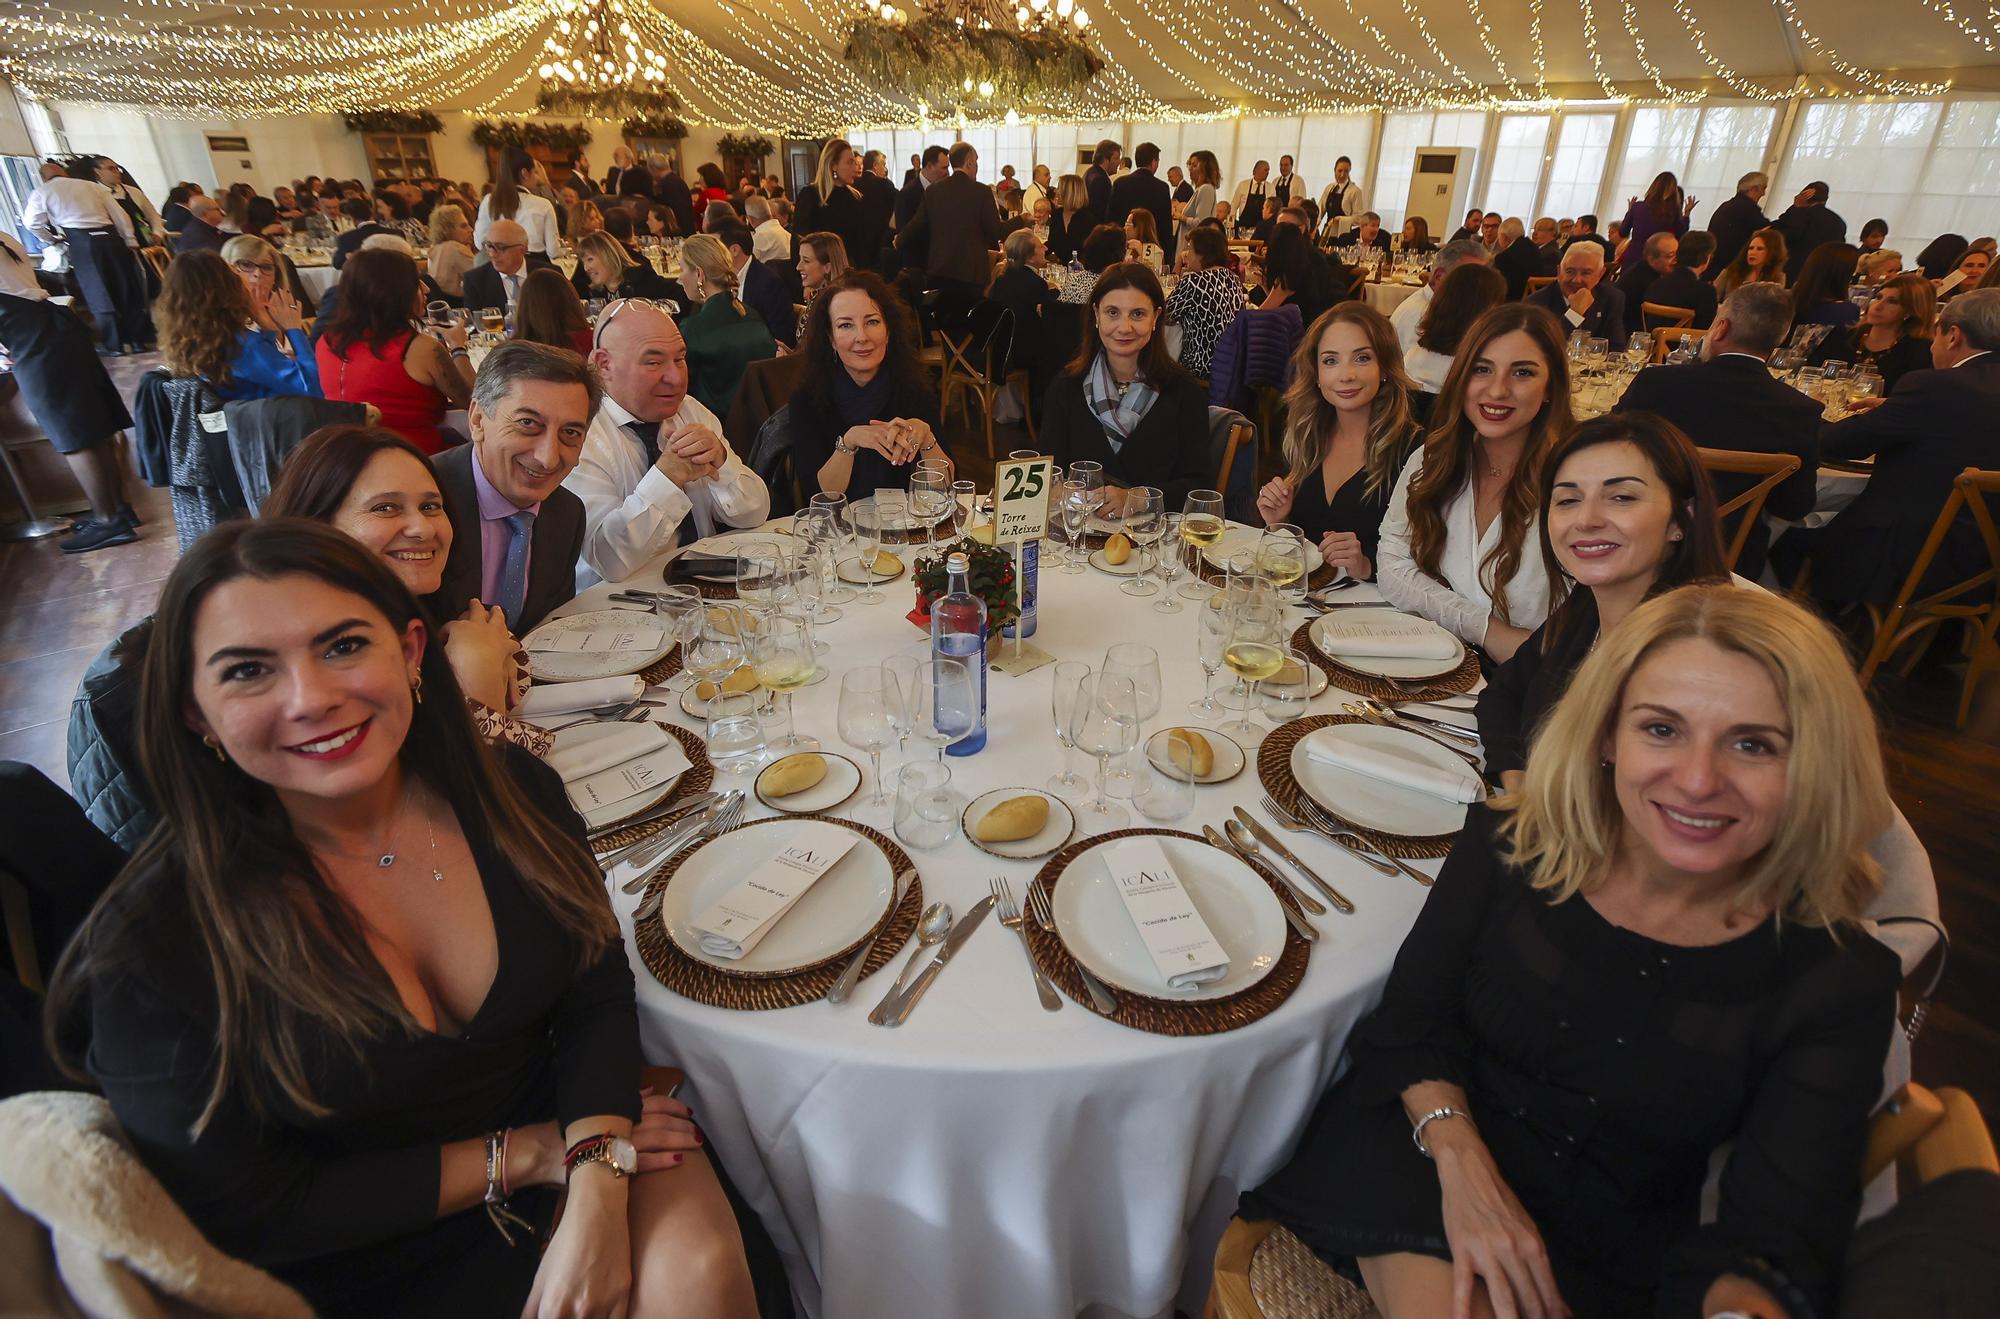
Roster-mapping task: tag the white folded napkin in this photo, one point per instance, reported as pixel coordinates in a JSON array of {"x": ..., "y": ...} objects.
[
  {"x": 1183, "y": 950},
  {"x": 604, "y": 774},
  {"x": 738, "y": 921},
  {"x": 1383, "y": 634},
  {"x": 1392, "y": 765},
  {"x": 569, "y": 697},
  {"x": 618, "y": 743}
]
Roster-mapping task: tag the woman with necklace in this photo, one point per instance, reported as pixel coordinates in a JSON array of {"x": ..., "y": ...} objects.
[
  {"x": 1124, "y": 402},
  {"x": 1894, "y": 333},
  {"x": 360, "y": 1002},
  {"x": 1454, "y": 543}
]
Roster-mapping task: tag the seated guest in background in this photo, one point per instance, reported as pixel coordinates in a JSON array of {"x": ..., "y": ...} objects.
[
  {"x": 1366, "y": 233},
  {"x": 451, "y": 254},
  {"x": 723, "y": 335},
  {"x": 717, "y": 214},
  {"x": 1698, "y": 806},
  {"x": 1142, "y": 241},
  {"x": 1409, "y": 314},
  {"x": 497, "y": 283},
  {"x": 772, "y": 241},
  {"x": 1548, "y": 247},
  {"x": 1936, "y": 424},
  {"x": 1489, "y": 232},
  {"x": 655, "y": 470},
  {"x": 362, "y": 212},
  {"x": 1583, "y": 298},
  {"x": 660, "y": 220},
  {"x": 1103, "y": 249},
  {"x": 1009, "y": 201},
  {"x": 175, "y": 214},
  {"x": 368, "y": 352},
  {"x": 1807, "y": 224},
  {"x": 1819, "y": 294},
  {"x": 392, "y": 211},
  {"x": 1585, "y": 231},
  {"x": 822, "y": 260},
  {"x": 583, "y": 218},
  {"x": 763, "y": 291},
  {"x": 209, "y": 329},
  {"x": 1470, "y": 229},
  {"x": 1685, "y": 285},
  {"x": 517, "y": 535},
  {"x": 310, "y": 1112},
  {"x": 1348, "y": 431},
  {"x": 1124, "y": 402},
  {"x": 1762, "y": 261},
  {"x": 1970, "y": 269},
  {"x": 1878, "y": 267},
  {"x": 1894, "y": 333},
  {"x": 1206, "y": 297},
  {"x": 864, "y": 411},
  {"x": 1941, "y": 254},
  {"x": 1020, "y": 288},
  {"x": 1729, "y": 400},
  {"x": 202, "y": 230},
  {"x": 1661, "y": 256},
  {"x": 550, "y": 312},
  {"x": 1455, "y": 539},
  {"x": 1517, "y": 258},
  {"x": 611, "y": 272},
  {"x": 1296, "y": 272},
  {"x": 1626, "y": 514},
  {"x": 1468, "y": 293},
  {"x": 1615, "y": 238},
  {"x": 1873, "y": 235},
  {"x": 1664, "y": 209},
  {"x": 1417, "y": 235},
  {"x": 262, "y": 268}
]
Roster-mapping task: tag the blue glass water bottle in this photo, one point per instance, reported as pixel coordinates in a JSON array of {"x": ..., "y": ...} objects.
[{"x": 958, "y": 630}]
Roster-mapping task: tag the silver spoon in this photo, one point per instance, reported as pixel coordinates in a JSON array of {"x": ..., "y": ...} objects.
[
  {"x": 931, "y": 930},
  {"x": 1381, "y": 720}
]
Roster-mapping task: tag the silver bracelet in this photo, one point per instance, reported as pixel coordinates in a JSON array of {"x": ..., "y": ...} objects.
[
  {"x": 1417, "y": 1132},
  {"x": 504, "y": 1220}
]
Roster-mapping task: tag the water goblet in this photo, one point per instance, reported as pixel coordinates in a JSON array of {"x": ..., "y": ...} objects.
[
  {"x": 867, "y": 722},
  {"x": 1071, "y": 678},
  {"x": 1143, "y": 525}
]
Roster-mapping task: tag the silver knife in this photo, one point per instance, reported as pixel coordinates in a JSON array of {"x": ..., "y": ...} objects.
[
  {"x": 851, "y": 977},
  {"x": 1292, "y": 918},
  {"x": 898, "y": 1012},
  {"x": 669, "y": 812},
  {"x": 1270, "y": 840},
  {"x": 670, "y": 838}
]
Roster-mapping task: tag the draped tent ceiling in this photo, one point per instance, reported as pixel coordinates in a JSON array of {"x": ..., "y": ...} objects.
[{"x": 774, "y": 65}]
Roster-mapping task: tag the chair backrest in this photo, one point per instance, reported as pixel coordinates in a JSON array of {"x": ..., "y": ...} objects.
[
  {"x": 1769, "y": 468},
  {"x": 1968, "y": 598},
  {"x": 1536, "y": 283},
  {"x": 1660, "y": 314},
  {"x": 1665, "y": 340},
  {"x": 989, "y": 337},
  {"x": 1232, "y": 450},
  {"x": 770, "y": 457}
]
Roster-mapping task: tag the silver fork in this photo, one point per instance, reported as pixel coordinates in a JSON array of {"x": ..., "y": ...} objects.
[
  {"x": 1009, "y": 913},
  {"x": 1343, "y": 836},
  {"x": 1100, "y": 995},
  {"x": 1291, "y": 823},
  {"x": 724, "y": 821}
]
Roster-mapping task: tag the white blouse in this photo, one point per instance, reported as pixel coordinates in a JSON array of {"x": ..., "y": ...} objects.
[
  {"x": 1466, "y": 604},
  {"x": 535, "y": 214}
]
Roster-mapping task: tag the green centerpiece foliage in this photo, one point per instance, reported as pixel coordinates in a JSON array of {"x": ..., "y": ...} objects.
[
  {"x": 392, "y": 121},
  {"x": 654, "y": 126},
  {"x": 749, "y": 145},
  {"x": 991, "y": 578},
  {"x": 524, "y": 133}
]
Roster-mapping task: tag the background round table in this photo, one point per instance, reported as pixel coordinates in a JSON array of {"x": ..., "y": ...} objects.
[
  {"x": 1385, "y": 298},
  {"x": 989, "y": 1158},
  {"x": 316, "y": 280}
]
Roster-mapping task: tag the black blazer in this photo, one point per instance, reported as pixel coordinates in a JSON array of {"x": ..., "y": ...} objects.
[
  {"x": 1517, "y": 261},
  {"x": 878, "y": 208},
  {"x": 765, "y": 293},
  {"x": 673, "y": 194},
  {"x": 908, "y": 202},
  {"x": 815, "y": 426},
  {"x": 199, "y": 236},
  {"x": 1732, "y": 224},
  {"x": 1605, "y": 319},
  {"x": 1065, "y": 242},
  {"x": 350, "y": 242},
  {"x": 1731, "y": 402},
  {"x": 1144, "y": 189},
  {"x": 553, "y": 552},
  {"x": 1169, "y": 450},
  {"x": 1022, "y": 292},
  {"x": 1805, "y": 228},
  {"x": 1683, "y": 288},
  {"x": 1097, "y": 182},
  {"x": 957, "y": 224},
  {"x": 483, "y": 287},
  {"x": 841, "y": 214}
]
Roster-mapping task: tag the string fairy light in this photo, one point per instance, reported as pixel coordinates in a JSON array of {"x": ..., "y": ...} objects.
[
  {"x": 1667, "y": 90},
  {"x": 1596, "y": 55}
]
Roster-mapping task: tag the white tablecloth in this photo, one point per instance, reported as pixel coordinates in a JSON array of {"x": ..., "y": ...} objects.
[
  {"x": 1385, "y": 298},
  {"x": 316, "y": 280},
  {"x": 990, "y": 1158}
]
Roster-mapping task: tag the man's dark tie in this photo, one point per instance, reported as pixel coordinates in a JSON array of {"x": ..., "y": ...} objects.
[{"x": 648, "y": 435}]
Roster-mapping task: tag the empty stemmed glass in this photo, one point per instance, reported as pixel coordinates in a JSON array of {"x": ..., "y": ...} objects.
[
  {"x": 1202, "y": 525},
  {"x": 866, "y": 517},
  {"x": 759, "y": 569},
  {"x": 903, "y": 670},
  {"x": 712, "y": 643},
  {"x": 1107, "y": 725},
  {"x": 930, "y": 499},
  {"x": 839, "y": 534},
  {"x": 1075, "y": 512},
  {"x": 1143, "y": 525},
  {"x": 1071, "y": 680},
  {"x": 1140, "y": 663},
  {"x": 868, "y": 703},
  {"x": 1167, "y": 563},
  {"x": 964, "y": 506},
  {"x": 678, "y": 607},
  {"x": 781, "y": 653},
  {"x": 819, "y": 548},
  {"x": 944, "y": 703},
  {"x": 1212, "y": 634},
  {"x": 1092, "y": 476}
]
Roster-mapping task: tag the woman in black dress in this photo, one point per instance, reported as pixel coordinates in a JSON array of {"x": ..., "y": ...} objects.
[
  {"x": 833, "y": 202},
  {"x": 863, "y": 414},
  {"x": 1124, "y": 402},
  {"x": 1348, "y": 432},
  {"x": 1894, "y": 334},
  {"x": 342, "y": 998},
  {"x": 1649, "y": 956}
]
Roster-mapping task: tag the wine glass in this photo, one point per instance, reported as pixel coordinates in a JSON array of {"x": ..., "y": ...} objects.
[
  {"x": 903, "y": 670},
  {"x": 819, "y": 544},
  {"x": 1638, "y": 351},
  {"x": 1253, "y": 651},
  {"x": 1212, "y": 634},
  {"x": 681, "y": 608},
  {"x": 1281, "y": 557},
  {"x": 1070, "y": 681},
  {"x": 964, "y": 505},
  {"x": 1202, "y": 525},
  {"x": 1092, "y": 476},
  {"x": 944, "y": 702},
  {"x": 867, "y": 722},
  {"x": 1141, "y": 664},
  {"x": 759, "y": 566},
  {"x": 930, "y": 494},
  {"x": 839, "y": 534},
  {"x": 712, "y": 648},
  {"x": 1167, "y": 562},
  {"x": 866, "y": 517},
  {"x": 1075, "y": 511},
  {"x": 1143, "y": 525},
  {"x": 1107, "y": 725},
  {"x": 781, "y": 653},
  {"x": 1288, "y": 691}
]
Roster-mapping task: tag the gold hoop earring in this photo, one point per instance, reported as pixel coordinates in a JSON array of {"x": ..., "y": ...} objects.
[{"x": 209, "y": 741}]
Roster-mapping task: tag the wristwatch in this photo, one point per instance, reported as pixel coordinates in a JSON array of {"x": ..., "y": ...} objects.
[
  {"x": 842, "y": 446},
  {"x": 615, "y": 1152}
]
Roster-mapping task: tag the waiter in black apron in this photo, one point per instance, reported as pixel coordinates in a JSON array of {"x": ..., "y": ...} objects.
[
  {"x": 1250, "y": 202},
  {"x": 80, "y": 213},
  {"x": 69, "y": 395}
]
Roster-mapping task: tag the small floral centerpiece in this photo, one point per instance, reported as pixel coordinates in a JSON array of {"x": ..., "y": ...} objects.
[{"x": 991, "y": 579}]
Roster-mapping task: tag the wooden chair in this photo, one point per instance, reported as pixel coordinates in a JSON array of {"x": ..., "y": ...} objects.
[
  {"x": 1262, "y": 1271},
  {"x": 1536, "y": 283},
  {"x": 1975, "y": 601},
  {"x": 157, "y": 258},
  {"x": 1771, "y": 468},
  {"x": 977, "y": 367},
  {"x": 1665, "y": 340},
  {"x": 1665, "y": 317},
  {"x": 1240, "y": 434}
]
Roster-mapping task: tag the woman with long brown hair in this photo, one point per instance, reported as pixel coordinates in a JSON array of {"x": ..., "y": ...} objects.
[
  {"x": 864, "y": 412},
  {"x": 1762, "y": 261},
  {"x": 1348, "y": 431},
  {"x": 1893, "y": 335},
  {"x": 822, "y": 260},
  {"x": 1663, "y": 210},
  {"x": 550, "y": 312},
  {"x": 515, "y": 197},
  {"x": 371, "y": 352},
  {"x": 208, "y": 328},
  {"x": 1455, "y": 540}
]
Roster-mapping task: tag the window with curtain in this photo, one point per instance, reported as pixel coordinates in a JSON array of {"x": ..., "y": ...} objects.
[
  {"x": 1576, "y": 172},
  {"x": 1731, "y": 142},
  {"x": 1959, "y": 190},
  {"x": 1871, "y": 156},
  {"x": 1402, "y": 134},
  {"x": 1662, "y": 136},
  {"x": 1516, "y": 174},
  {"x": 1325, "y": 138},
  {"x": 123, "y": 135}
]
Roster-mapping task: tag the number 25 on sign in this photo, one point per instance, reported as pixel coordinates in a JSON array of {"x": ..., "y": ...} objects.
[{"x": 1021, "y": 499}]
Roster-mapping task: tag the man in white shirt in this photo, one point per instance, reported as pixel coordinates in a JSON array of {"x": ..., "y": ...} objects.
[
  {"x": 1410, "y": 314},
  {"x": 1248, "y": 204},
  {"x": 655, "y": 471},
  {"x": 773, "y": 241},
  {"x": 82, "y": 214}
]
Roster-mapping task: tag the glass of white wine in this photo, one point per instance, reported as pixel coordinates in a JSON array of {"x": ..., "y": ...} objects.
[
  {"x": 1202, "y": 525},
  {"x": 782, "y": 657},
  {"x": 1281, "y": 557},
  {"x": 1254, "y": 650}
]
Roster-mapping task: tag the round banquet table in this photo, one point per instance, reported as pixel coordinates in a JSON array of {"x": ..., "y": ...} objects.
[
  {"x": 988, "y": 1158},
  {"x": 316, "y": 280},
  {"x": 1386, "y": 297}
]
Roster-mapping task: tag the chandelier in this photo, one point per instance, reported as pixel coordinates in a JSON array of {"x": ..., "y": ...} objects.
[
  {"x": 595, "y": 63},
  {"x": 959, "y": 51}
]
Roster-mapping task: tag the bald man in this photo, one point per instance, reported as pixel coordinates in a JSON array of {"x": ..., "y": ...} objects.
[
  {"x": 655, "y": 471},
  {"x": 497, "y": 282}
]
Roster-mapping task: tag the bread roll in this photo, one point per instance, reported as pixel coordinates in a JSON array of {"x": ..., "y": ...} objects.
[
  {"x": 793, "y": 774},
  {"x": 887, "y": 564},
  {"x": 1117, "y": 549},
  {"x": 740, "y": 680},
  {"x": 1291, "y": 671},
  {"x": 1190, "y": 750},
  {"x": 1013, "y": 819}
]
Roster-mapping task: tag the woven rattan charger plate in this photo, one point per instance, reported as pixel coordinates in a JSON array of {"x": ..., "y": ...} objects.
[
  {"x": 698, "y": 778},
  {"x": 1274, "y": 771},
  {"x": 704, "y": 984},
  {"x": 1159, "y": 1015},
  {"x": 1456, "y": 683}
]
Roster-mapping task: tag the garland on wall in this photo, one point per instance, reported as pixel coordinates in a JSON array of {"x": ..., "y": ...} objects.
[
  {"x": 392, "y": 121},
  {"x": 520, "y": 134},
  {"x": 748, "y": 146},
  {"x": 654, "y": 126}
]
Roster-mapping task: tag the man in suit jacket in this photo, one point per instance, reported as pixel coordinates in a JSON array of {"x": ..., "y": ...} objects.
[
  {"x": 517, "y": 535},
  {"x": 1144, "y": 190},
  {"x": 1581, "y": 298},
  {"x": 1932, "y": 427},
  {"x": 1517, "y": 258},
  {"x": 761, "y": 291},
  {"x": 1104, "y": 163},
  {"x": 1686, "y": 284},
  {"x": 200, "y": 232},
  {"x": 936, "y": 164},
  {"x": 1739, "y": 217},
  {"x": 498, "y": 282},
  {"x": 1729, "y": 400},
  {"x": 672, "y": 193},
  {"x": 1177, "y": 180},
  {"x": 878, "y": 199},
  {"x": 362, "y": 212},
  {"x": 1660, "y": 256},
  {"x": 1806, "y": 224},
  {"x": 958, "y": 223}
]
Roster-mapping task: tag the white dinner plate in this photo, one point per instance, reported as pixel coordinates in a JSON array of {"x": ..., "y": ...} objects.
[
  {"x": 548, "y": 666},
  {"x": 832, "y": 918},
  {"x": 1130, "y": 568},
  {"x": 843, "y": 780},
  {"x": 1390, "y": 666},
  {"x": 1371, "y": 803},
  {"x": 577, "y": 735},
  {"x": 1054, "y": 834},
  {"x": 1238, "y": 907},
  {"x": 1229, "y": 757},
  {"x": 1236, "y": 538}
]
